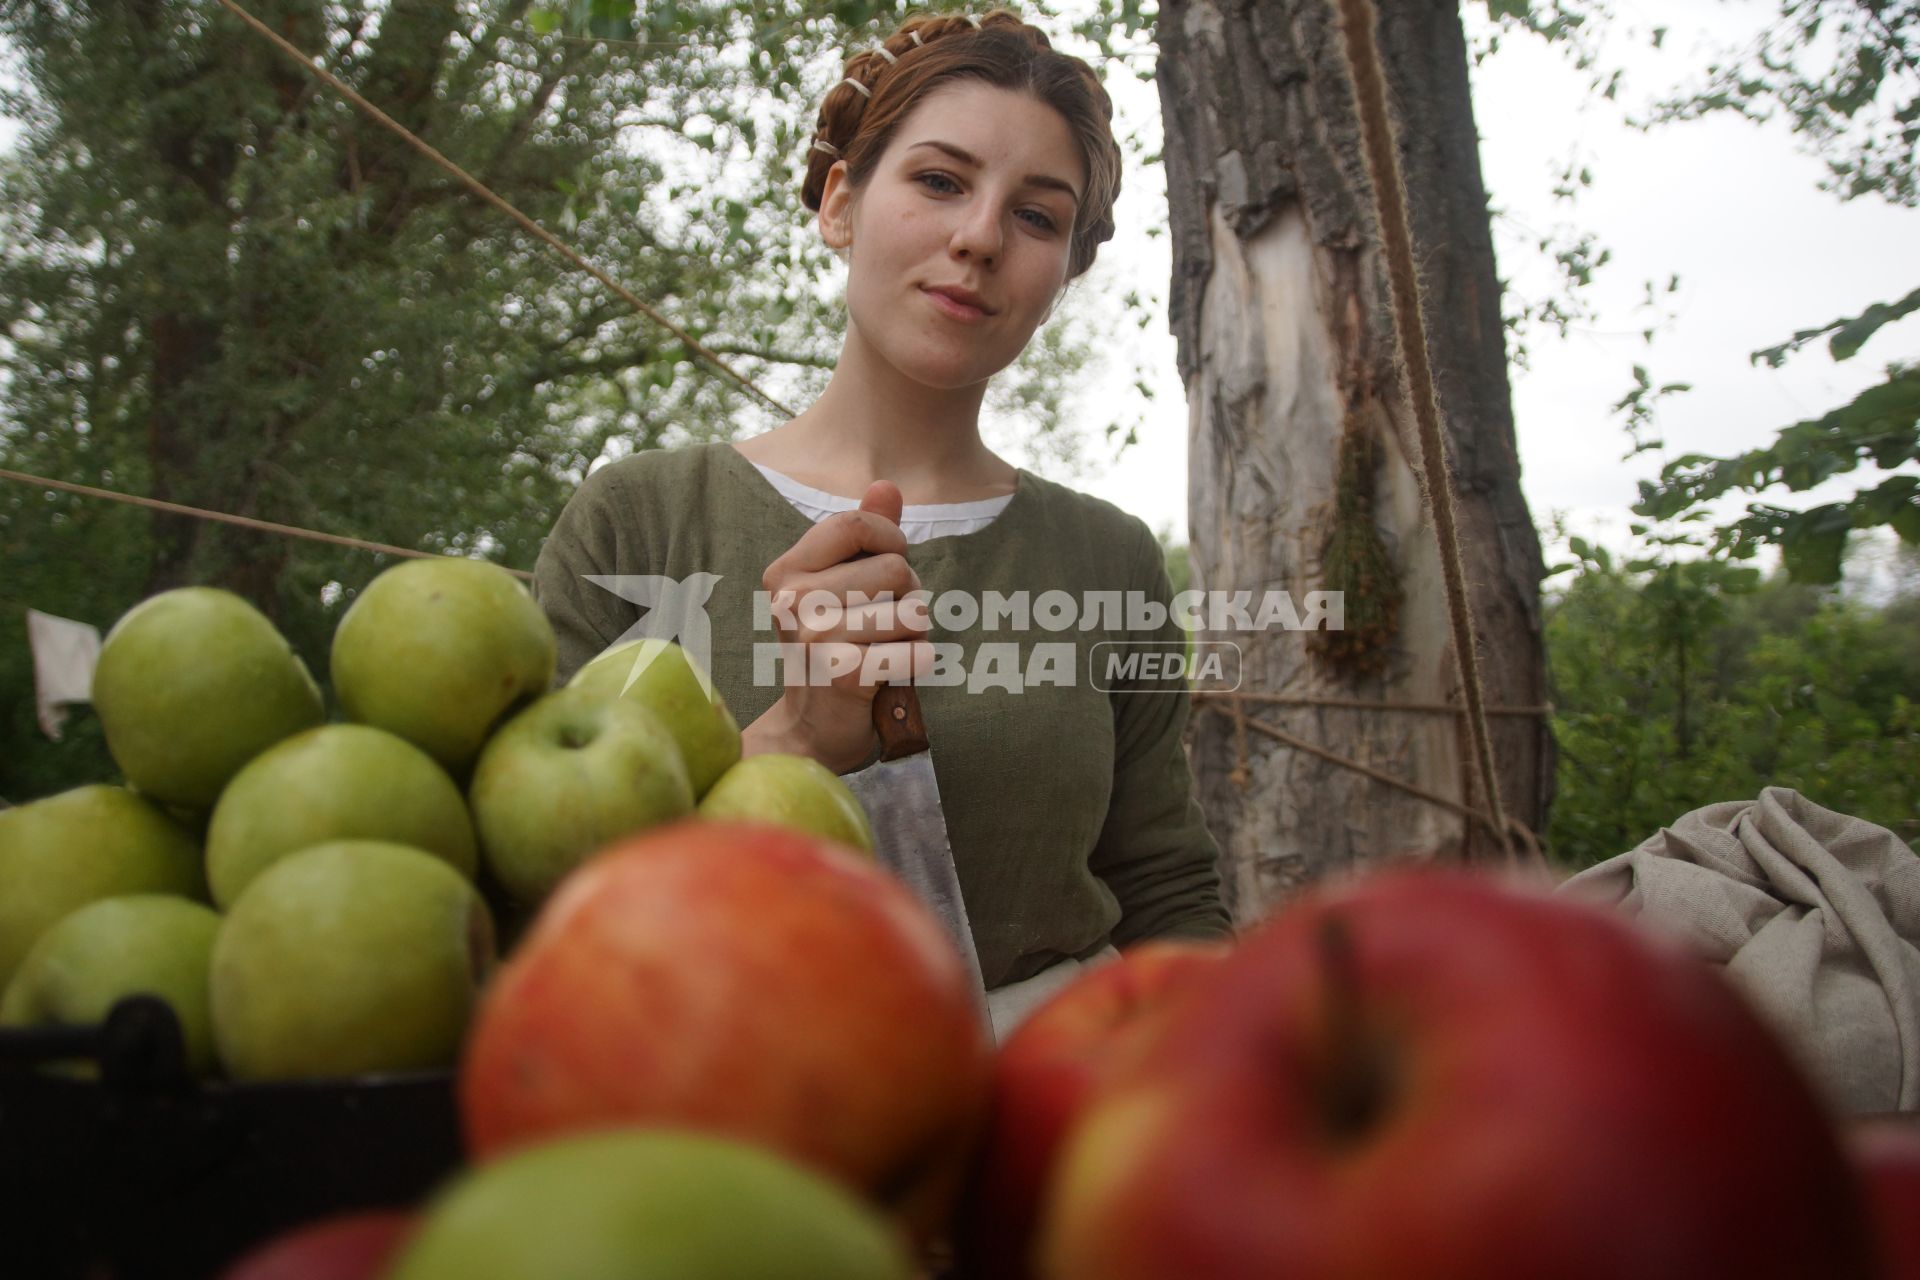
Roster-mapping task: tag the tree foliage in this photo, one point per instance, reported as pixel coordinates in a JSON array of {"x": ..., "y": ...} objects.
[
  {"x": 224, "y": 286},
  {"x": 1678, "y": 683}
]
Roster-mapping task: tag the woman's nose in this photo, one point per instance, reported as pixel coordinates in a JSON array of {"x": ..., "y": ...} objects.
[{"x": 979, "y": 232}]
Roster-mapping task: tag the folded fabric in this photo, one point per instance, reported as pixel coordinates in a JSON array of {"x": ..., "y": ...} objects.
[
  {"x": 1815, "y": 916},
  {"x": 64, "y": 654}
]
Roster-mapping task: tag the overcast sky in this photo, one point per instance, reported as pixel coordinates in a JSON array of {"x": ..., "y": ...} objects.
[{"x": 1733, "y": 208}]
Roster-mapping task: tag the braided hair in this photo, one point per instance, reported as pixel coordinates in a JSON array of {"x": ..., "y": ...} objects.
[{"x": 881, "y": 85}]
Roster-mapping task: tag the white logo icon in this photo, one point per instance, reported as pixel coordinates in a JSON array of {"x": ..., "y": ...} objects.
[{"x": 675, "y": 610}]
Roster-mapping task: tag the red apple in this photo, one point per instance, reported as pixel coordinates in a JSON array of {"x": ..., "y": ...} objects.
[
  {"x": 352, "y": 1246},
  {"x": 1887, "y": 1154},
  {"x": 1044, "y": 1076},
  {"x": 1434, "y": 1074},
  {"x": 749, "y": 981}
]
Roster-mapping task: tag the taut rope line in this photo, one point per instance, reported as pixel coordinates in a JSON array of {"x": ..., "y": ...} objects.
[
  {"x": 245, "y": 522},
  {"x": 1358, "y": 26}
]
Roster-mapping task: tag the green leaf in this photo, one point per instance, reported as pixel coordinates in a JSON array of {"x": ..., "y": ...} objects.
[
  {"x": 1813, "y": 543},
  {"x": 1853, "y": 334},
  {"x": 1850, "y": 333}
]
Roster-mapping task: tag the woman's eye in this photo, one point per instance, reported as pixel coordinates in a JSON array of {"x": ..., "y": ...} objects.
[{"x": 1041, "y": 220}]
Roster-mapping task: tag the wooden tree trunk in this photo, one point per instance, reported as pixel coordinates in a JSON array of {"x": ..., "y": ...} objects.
[{"x": 1280, "y": 306}]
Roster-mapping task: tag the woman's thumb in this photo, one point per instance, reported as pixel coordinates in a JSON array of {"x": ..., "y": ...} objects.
[{"x": 883, "y": 499}]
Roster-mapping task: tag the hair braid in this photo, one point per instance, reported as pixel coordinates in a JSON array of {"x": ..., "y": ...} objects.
[{"x": 880, "y": 84}]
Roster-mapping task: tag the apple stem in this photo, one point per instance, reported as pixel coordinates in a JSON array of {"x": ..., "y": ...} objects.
[{"x": 1356, "y": 1085}]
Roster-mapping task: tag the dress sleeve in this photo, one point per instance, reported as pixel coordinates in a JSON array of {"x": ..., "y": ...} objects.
[
  {"x": 586, "y": 617},
  {"x": 1154, "y": 849}
]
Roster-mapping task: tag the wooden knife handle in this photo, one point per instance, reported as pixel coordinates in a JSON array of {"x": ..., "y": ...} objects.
[{"x": 896, "y": 718}]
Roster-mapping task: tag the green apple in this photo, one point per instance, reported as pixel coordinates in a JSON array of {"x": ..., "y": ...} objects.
[
  {"x": 60, "y": 853},
  {"x": 140, "y": 944},
  {"x": 193, "y": 683},
  {"x": 351, "y": 957},
  {"x": 437, "y": 650},
  {"x": 790, "y": 791},
  {"x": 336, "y": 782},
  {"x": 663, "y": 677},
  {"x": 565, "y": 777},
  {"x": 649, "y": 1202}
]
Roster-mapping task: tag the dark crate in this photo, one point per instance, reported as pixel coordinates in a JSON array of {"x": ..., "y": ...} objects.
[{"x": 146, "y": 1175}]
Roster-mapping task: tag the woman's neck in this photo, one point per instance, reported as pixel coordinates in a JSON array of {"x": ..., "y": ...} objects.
[{"x": 872, "y": 424}]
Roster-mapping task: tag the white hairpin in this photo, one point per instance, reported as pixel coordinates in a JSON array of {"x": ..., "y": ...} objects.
[
  {"x": 882, "y": 51},
  {"x": 975, "y": 21},
  {"x": 915, "y": 37},
  {"x": 864, "y": 91},
  {"x": 827, "y": 147}
]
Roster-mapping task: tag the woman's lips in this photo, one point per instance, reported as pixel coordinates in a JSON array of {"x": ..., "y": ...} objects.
[{"x": 958, "y": 310}]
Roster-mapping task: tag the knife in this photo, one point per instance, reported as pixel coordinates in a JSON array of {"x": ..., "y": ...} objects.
[{"x": 902, "y": 800}]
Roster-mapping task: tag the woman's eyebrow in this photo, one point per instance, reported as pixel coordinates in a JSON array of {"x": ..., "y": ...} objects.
[{"x": 967, "y": 157}]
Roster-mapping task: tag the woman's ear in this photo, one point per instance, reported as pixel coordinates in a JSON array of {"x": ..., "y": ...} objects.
[{"x": 836, "y": 208}]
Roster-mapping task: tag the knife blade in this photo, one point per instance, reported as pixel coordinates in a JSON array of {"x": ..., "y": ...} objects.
[{"x": 902, "y": 798}]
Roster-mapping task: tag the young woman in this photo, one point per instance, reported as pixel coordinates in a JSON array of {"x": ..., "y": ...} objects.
[{"x": 965, "y": 171}]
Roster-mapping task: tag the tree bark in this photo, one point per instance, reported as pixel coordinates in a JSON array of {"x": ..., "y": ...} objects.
[{"x": 1280, "y": 305}]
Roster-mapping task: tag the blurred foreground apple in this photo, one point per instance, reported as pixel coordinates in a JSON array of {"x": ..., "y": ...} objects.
[
  {"x": 747, "y": 981},
  {"x": 1886, "y": 1151},
  {"x": 566, "y": 777},
  {"x": 92, "y": 842},
  {"x": 437, "y": 650},
  {"x": 348, "y": 958},
  {"x": 1047, "y": 1073},
  {"x": 790, "y": 791},
  {"x": 1432, "y": 1075},
  {"x": 649, "y": 1203},
  {"x": 662, "y": 677},
  {"x": 352, "y": 1246},
  {"x": 193, "y": 683},
  {"x": 336, "y": 782},
  {"x": 141, "y": 944}
]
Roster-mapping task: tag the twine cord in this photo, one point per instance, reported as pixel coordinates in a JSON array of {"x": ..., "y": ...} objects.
[
  {"x": 222, "y": 517},
  {"x": 1359, "y": 27}
]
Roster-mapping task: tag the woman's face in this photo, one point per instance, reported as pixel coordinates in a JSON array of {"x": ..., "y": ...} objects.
[{"x": 976, "y": 192}]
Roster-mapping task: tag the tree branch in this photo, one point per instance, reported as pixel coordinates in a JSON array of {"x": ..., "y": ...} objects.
[{"x": 805, "y": 359}]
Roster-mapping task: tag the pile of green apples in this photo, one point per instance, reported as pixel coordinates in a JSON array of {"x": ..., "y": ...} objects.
[{"x": 318, "y": 897}]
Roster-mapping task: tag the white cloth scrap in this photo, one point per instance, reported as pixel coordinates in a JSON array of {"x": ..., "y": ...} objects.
[
  {"x": 1008, "y": 1006},
  {"x": 1815, "y": 916},
  {"x": 64, "y": 654}
]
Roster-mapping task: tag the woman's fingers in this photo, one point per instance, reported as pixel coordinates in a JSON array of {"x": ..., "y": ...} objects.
[
  {"x": 838, "y": 538},
  {"x": 877, "y": 596},
  {"x": 824, "y": 617},
  {"x": 862, "y": 667}
]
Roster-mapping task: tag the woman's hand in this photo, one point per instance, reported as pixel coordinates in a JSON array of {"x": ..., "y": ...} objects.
[{"x": 836, "y": 656}]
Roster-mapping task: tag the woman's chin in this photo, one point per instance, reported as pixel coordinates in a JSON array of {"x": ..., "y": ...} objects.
[{"x": 950, "y": 372}]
